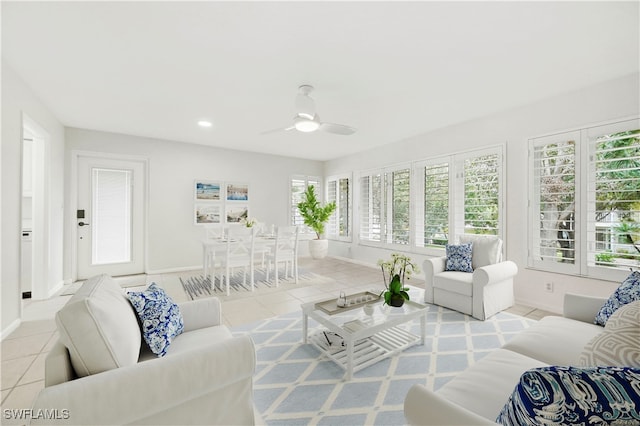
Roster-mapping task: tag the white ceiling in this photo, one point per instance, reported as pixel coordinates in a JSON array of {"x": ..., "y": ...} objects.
[{"x": 391, "y": 69}]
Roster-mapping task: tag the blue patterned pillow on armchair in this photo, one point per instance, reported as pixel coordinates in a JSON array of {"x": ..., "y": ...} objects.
[
  {"x": 459, "y": 257},
  {"x": 629, "y": 291},
  {"x": 574, "y": 396},
  {"x": 160, "y": 317}
]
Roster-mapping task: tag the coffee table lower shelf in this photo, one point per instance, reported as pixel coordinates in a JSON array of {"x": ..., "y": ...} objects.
[{"x": 369, "y": 350}]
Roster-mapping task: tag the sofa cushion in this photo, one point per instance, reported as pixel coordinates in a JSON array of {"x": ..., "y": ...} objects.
[
  {"x": 459, "y": 257},
  {"x": 160, "y": 317},
  {"x": 554, "y": 340},
  {"x": 619, "y": 344},
  {"x": 571, "y": 395},
  {"x": 487, "y": 249},
  {"x": 627, "y": 292},
  {"x": 484, "y": 387},
  {"x": 454, "y": 281},
  {"x": 99, "y": 327}
]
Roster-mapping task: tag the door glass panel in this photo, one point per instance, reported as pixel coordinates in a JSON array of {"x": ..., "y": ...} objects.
[{"x": 111, "y": 216}]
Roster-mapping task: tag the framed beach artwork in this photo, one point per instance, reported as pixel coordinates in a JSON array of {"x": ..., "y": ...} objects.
[
  {"x": 236, "y": 213},
  {"x": 237, "y": 192},
  {"x": 207, "y": 213},
  {"x": 208, "y": 190}
]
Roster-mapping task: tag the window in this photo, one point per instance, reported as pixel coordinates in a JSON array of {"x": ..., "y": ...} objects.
[
  {"x": 339, "y": 191},
  {"x": 385, "y": 198},
  {"x": 298, "y": 186},
  {"x": 554, "y": 201},
  {"x": 585, "y": 201},
  {"x": 458, "y": 194}
]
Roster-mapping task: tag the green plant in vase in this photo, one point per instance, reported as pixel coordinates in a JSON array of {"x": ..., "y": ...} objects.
[{"x": 394, "y": 272}]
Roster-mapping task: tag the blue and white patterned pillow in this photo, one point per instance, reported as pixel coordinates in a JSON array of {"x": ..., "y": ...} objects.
[
  {"x": 160, "y": 317},
  {"x": 459, "y": 257},
  {"x": 629, "y": 291},
  {"x": 574, "y": 396}
]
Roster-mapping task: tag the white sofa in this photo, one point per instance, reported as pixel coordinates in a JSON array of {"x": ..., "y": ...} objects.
[
  {"x": 481, "y": 293},
  {"x": 205, "y": 377},
  {"x": 476, "y": 396}
]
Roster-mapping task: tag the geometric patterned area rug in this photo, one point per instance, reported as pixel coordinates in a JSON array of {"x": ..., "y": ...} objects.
[
  {"x": 198, "y": 286},
  {"x": 295, "y": 384}
]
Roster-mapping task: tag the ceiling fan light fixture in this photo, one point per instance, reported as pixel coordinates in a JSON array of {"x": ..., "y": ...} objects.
[{"x": 306, "y": 125}]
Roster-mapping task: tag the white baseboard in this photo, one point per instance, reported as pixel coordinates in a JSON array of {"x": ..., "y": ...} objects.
[
  {"x": 56, "y": 289},
  {"x": 171, "y": 270},
  {"x": 12, "y": 327},
  {"x": 354, "y": 261}
]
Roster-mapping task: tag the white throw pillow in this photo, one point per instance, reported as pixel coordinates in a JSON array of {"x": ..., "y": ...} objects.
[
  {"x": 619, "y": 343},
  {"x": 487, "y": 249},
  {"x": 99, "y": 327}
]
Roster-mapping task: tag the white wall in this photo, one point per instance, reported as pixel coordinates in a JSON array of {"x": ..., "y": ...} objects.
[
  {"x": 173, "y": 239},
  {"x": 18, "y": 99},
  {"x": 612, "y": 100}
]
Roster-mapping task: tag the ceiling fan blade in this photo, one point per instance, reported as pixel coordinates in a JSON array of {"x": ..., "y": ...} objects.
[
  {"x": 305, "y": 106},
  {"x": 338, "y": 129},
  {"x": 281, "y": 129}
]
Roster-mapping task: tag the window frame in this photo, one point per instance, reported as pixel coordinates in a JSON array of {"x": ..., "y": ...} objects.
[
  {"x": 334, "y": 220},
  {"x": 316, "y": 181},
  {"x": 585, "y": 239}
]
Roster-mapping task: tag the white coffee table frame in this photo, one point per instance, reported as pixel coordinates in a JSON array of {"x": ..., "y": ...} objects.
[{"x": 367, "y": 338}]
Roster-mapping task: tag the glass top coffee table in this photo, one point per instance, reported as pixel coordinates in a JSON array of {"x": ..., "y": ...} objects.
[{"x": 355, "y": 340}]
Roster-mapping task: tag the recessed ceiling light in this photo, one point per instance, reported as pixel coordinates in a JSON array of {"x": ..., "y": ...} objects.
[{"x": 204, "y": 123}]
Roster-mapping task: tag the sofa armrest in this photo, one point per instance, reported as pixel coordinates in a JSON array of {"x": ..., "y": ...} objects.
[
  {"x": 156, "y": 391},
  {"x": 201, "y": 313},
  {"x": 495, "y": 273},
  {"x": 431, "y": 267},
  {"x": 582, "y": 308},
  {"x": 424, "y": 407},
  {"x": 58, "y": 368}
]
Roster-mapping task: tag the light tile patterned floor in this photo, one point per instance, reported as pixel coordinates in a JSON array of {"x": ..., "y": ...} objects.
[{"x": 23, "y": 351}]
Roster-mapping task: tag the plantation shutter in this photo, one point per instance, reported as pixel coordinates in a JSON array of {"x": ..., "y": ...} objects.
[
  {"x": 436, "y": 205},
  {"x": 332, "y": 224},
  {"x": 613, "y": 196},
  {"x": 370, "y": 207},
  {"x": 344, "y": 207},
  {"x": 298, "y": 186},
  {"x": 400, "y": 208},
  {"x": 481, "y": 194},
  {"x": 553, "y": 207}
]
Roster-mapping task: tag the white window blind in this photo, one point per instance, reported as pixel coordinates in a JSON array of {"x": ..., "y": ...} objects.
[
  {"x": 613, "y": 218},
  {"x": 400, "y": 187},
  {"x": 338, "y": 191},
  {"x": 371, "y": 196},
  {"x": 481, "y": 194},
  {"x": 111, "y": 216},
  {"x": 436, "y": 205},
  {"x": 554, "y": 200}
]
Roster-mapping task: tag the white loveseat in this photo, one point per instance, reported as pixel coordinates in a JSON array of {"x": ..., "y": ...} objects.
[
  {"x": 477, "y": 395},
  {"x": 205, "y": 377}
]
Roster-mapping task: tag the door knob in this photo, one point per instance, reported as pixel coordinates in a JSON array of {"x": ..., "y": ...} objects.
[{"x": 82, "y": 223}]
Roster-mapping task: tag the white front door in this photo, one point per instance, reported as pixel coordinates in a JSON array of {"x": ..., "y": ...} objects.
[{"x": 109, "y": 217}]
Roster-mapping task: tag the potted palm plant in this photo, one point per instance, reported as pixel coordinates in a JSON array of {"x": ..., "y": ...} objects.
[
  {"x": 316, "y": 216},
  {"x": 394, "y": 272}
]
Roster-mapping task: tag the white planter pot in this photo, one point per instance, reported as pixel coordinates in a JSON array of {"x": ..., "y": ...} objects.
[{"x": 318, "y": 248}]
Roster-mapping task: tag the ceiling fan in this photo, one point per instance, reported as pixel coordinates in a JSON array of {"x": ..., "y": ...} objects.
[{"x": 306, "y": 120}]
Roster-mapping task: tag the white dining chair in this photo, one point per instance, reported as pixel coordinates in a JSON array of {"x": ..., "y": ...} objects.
[
  {"x": 212, "y": 243},
  {"x": 240, "y": 243},
  {"x": 285, "y": 251}
]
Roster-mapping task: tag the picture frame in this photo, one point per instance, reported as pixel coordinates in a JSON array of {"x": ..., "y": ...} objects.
[
  {"x": 237, "y": 192},
  {"x": 207, "y": 213},
  {"x": 208, "y": 190},
  {"x": 236, "y": 213}
]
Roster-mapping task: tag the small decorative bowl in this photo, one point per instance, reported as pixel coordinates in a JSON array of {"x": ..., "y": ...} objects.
[{"x": 368, "y": 309}]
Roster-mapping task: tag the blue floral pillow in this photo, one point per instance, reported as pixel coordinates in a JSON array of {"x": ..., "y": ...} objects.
[
  {"x": 574, "y": 396},
  {"x": 459, "y": 257},
  {"x": 160, "y": 317},
  {"x": 629, "y": 291}
]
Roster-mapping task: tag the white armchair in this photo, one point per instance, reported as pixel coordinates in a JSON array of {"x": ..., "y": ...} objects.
[{"x": 481, "y": 293}]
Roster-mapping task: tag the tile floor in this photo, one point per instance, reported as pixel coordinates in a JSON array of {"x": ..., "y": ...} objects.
[{"x": 23, "y": 351}]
